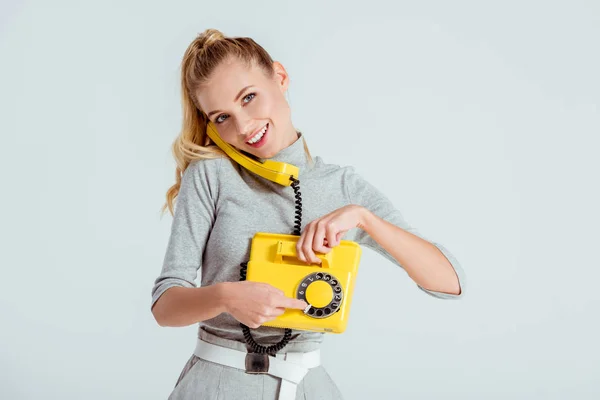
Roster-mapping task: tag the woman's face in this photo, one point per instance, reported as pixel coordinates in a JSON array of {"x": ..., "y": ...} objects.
[{"x": 242, "y": 101}]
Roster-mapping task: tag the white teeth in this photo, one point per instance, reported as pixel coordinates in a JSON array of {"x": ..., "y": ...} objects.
[{"x": 258, "y": 136}]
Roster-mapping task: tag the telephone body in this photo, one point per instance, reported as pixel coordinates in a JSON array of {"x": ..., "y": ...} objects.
[{"x": 327, "y": 288}]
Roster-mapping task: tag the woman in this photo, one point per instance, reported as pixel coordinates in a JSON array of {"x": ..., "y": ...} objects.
[{"x": 234, "y": 83}]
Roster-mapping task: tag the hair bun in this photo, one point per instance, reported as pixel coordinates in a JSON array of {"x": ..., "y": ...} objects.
[{"x": 209, "y": 36}]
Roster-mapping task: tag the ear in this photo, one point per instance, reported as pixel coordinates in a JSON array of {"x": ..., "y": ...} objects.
[{"x": 281, "y": 76}]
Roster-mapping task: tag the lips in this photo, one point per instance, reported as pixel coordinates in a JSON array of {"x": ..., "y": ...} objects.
[
  {"x": 262, "y": 140},
  {"x": 255, "y": 133}
]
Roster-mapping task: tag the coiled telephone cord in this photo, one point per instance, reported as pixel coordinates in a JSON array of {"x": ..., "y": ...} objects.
[{"x": 257, "y": 348}]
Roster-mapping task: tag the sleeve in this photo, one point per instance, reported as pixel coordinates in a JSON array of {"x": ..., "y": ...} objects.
[
  {"x": 361, "y": 192},
  {"x": 193, "y": 219}
]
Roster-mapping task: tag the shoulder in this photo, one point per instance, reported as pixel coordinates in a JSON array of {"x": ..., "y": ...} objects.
[
  {"x": 203, "y": 172},
  {"x": 346, "y": 173},
  {"x": 325, "y": 168},
  {"x": 205, "y": 166},
  {"x": 344, "y": 178}
]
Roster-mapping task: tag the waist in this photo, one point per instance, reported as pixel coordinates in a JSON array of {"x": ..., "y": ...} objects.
[
  {"x": 300, "y": 342},
  {"x": 290, "y": 366},
  {"x": 239, "y": 358}
]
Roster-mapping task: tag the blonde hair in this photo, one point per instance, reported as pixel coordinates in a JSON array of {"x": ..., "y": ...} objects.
[{"x": 206, "y": 52}]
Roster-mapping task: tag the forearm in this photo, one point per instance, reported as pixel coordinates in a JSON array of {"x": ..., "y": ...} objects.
[
  {"x": 181, "y": 306},
  {"x": 423, "y": 261}
]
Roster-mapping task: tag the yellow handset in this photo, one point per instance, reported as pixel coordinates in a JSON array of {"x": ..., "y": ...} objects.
[{"x": 275, "y": 171}]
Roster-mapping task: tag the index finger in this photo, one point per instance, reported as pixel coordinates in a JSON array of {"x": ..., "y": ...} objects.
[{"x": 290, "y": 302}]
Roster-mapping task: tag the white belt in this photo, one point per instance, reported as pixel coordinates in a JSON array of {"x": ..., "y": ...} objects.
[{"x": 291, "y": 367}]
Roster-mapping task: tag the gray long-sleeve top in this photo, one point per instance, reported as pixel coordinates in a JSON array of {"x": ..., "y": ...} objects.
[{"x": 221, "y": 205}]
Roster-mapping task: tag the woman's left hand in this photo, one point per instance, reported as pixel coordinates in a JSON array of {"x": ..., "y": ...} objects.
[{"x": 324, "y": 233}]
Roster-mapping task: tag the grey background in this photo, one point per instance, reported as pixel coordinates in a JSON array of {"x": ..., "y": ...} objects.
[{"x": 478, "y": 119}]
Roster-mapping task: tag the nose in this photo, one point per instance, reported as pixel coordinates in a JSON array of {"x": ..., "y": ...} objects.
[{"x": 244, "y": 125}]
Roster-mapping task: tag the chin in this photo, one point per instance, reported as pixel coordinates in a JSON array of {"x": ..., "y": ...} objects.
[
  {"x": 269, "y": 155},
  {"x": 272, "y": 151}
]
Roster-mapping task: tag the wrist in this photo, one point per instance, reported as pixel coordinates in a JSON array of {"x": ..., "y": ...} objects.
[
  {"x": 222, "y": 295},
  {"x": 365, "y": 217}
]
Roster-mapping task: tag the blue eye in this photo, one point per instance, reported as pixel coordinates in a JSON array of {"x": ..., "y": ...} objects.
[{"x": 249, "y": 94}]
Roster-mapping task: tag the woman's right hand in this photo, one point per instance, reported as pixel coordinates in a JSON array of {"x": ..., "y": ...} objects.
[{"x": 254, "y": 303}]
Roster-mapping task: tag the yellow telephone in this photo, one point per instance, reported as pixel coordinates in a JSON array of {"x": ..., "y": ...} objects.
[{"x": 327, "y": 288}]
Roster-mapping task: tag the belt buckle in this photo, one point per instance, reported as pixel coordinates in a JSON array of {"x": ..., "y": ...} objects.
[{"x": 257, "y": 363}]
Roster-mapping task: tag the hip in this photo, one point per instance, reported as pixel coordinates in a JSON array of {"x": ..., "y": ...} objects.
[{"x": 204, "y": 377}]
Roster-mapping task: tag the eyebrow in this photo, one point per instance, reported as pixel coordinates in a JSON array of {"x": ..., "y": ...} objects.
[{"x": 234, "y": 100}]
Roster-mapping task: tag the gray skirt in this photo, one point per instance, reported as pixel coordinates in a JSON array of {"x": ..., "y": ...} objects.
[{"x": 201, "y": 379}]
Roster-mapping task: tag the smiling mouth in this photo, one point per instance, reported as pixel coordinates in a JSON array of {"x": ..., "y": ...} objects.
[{"x": 258, "y": 139}]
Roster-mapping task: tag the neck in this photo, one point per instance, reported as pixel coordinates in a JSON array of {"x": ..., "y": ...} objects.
[{"x": 294, "y": 154}]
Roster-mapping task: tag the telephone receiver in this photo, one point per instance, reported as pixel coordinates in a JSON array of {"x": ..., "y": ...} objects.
[{"x": 275, "y": 171}]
